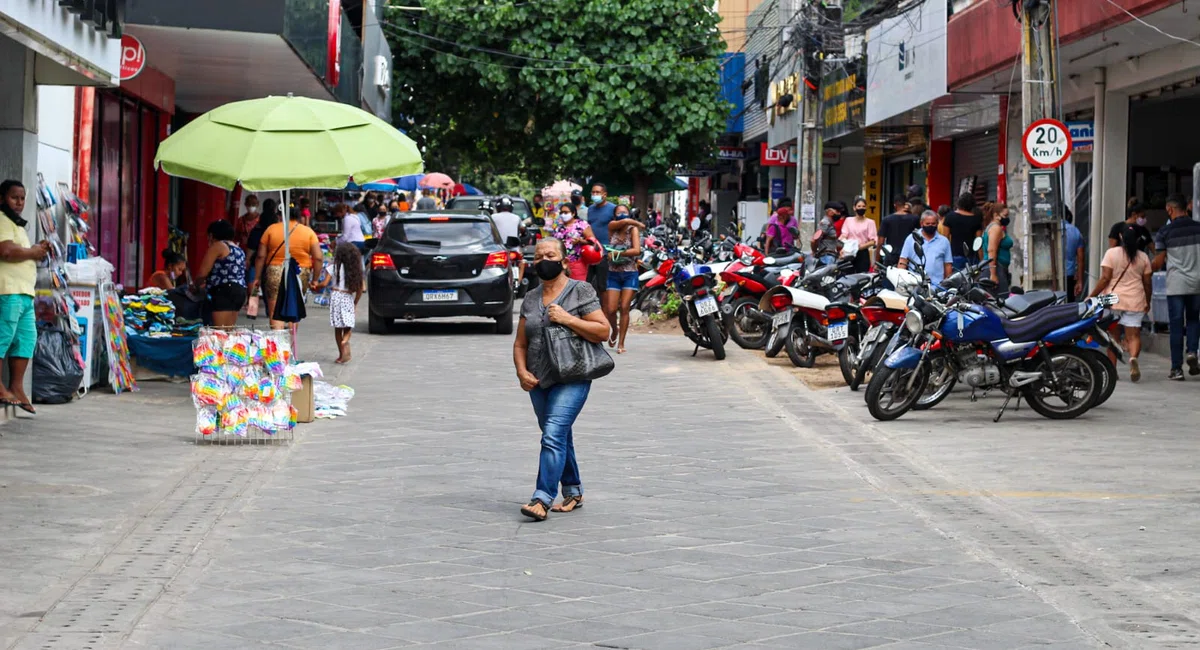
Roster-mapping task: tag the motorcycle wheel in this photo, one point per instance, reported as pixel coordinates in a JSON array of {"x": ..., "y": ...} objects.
[
  {"x": 748, "y": 334},
  {"x": 1106, "y": 370},
  {"x": 938, "y": 386},
  {"x": 846, "y": 360},
  {"x": 888, "y": 394},
  {"x": 650, "y": 301},
  {"x": 775, "y": 343},
  {"x": 691, "y": 328},
  {"x": 1076, "y": 392},
  {"x": 796, "y": 344},
  {"x": 715, "y": 336}
]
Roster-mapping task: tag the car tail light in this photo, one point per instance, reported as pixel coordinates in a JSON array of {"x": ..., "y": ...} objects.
[
  {"x": 497, "y": 259},
  {"x": 382, "y": 261},
  {"x": 780, "y": 301},
  {"x": 514, "y": 255},
  {"x": 836, "y": 313}
]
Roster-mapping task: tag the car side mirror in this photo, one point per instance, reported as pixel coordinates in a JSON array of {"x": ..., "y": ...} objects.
[
  {"x": 512, "y": 242},
  {"x": 370, "y": 244},
  {"x": 794, "y": 230}
]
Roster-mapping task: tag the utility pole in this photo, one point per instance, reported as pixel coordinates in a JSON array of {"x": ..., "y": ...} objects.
[
  {"x": 1043, "y": 259},
  {"x": 815, "y": 34}
]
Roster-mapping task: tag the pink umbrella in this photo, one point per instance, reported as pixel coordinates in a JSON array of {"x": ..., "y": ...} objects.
[
  {"x": 560, "y": 190},
  {"x": 437, "y": 181}
]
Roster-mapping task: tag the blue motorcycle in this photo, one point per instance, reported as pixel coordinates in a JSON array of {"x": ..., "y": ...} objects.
[
  {"x": 699, "y": 315},
  {"x": 952, "y": 336}
]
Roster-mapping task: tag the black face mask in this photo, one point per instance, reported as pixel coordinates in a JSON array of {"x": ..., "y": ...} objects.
[
  {"x": 548, "y": 269},
  {"x": 1004, "y": 221},
  {"x": 929, "y": 230},
  {"x": 860, "y": 211}
]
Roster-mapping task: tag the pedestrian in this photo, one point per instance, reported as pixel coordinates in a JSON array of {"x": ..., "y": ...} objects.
[
  {"x": 248, "y": 220},
  {"x": 574, "y": 233},
  {"x": 942, "y": 211},
  {"x": 581, "y": 210},
  {"x": 303, "y": 246},
  {"x": 18, "y": 275},
  {"x": 344, "y": 278},
  {"x": 1131, "y": 268},
  {"x": 427, "y": 202},
  {"x": 305, "y": 211},
  {"x": 175, "y": 267},
  {"x": 573, "y": 304},
  {"x": 1178, "y": 246},
  {"x": 935, "y": 256},
  {"x": 599, "y": 215},
  {"x": 352, "y": 226},
  {"x": 781, "y": 229},
  {"x": 223, "y": 274},
  {"x": 964, "y": 226},
  {"x": 825, "y": 243},
  {"x": 624, "y": 249},
  {"x": 997, "y": 245},
  {"x": 402, "y": 203},
  {"x": 1135, "y": 215},
  {"x": 379, "y": 223},
  {"x": 860, "y": 229},
  {"x": 539, "y": 210},
  {"x": 1073, "y": 253},
  {"x": 895, "y": 229}
]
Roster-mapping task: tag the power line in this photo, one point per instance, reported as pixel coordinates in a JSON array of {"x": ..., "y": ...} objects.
[{"x": 1170, "y": 36}]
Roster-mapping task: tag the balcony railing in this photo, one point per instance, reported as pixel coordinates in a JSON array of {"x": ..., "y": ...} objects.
[
  {"x": 305, "y": 26},
  {"x": 349, "y": 87}
]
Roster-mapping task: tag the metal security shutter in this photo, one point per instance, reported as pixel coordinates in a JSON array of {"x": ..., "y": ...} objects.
[{"x": 976, "y": 164}]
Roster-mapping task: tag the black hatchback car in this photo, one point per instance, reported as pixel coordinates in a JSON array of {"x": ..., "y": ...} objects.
[{"x": 435, "y": 264}]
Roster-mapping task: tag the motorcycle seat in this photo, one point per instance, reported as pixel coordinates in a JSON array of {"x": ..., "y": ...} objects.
[
  {"x": 1024, "y": 304},
  {"x": 856, "y": 280},
  {"x": 1040, "y": 323},
  {"x": 786, "y": 259}
]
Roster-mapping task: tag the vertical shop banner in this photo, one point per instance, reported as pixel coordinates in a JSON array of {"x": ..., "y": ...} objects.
[
  {"x": 333, "y": 46},
  {"x": 777, "y": 189},
  {"x": 873, "y": 186},
  {"x": 845, "y": 101}
]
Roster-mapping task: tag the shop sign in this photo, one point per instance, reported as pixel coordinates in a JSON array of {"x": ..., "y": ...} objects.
[
  {"x": 873, "y": 186},
  {"x": 1083, "y": 135},
  {"x": 1046, "y": 143},
  {"x": 769, "y": 157},
  {"x": 831, "y": 156},
  {"x": 133, "y": 57},
  {"x": 731, "y": 153},
  {"x": 906, "y": 61},
  {"x": 333, "y": 46},
  {"x": 789, "y": 85},
  {"x": 777, "y": 189},
  {"x": 845, "y": 102}
]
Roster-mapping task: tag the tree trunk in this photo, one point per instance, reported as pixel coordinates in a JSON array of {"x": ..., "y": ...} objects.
[{"x": 641, "y": 194}]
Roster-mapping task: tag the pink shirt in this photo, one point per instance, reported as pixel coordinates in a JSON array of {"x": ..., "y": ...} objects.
[
  {"x": 861, "y": 230},
  {"x": 1130, "y": 290}
]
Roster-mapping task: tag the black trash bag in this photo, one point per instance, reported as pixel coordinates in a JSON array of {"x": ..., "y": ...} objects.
[
  {"x": 187, "y": 305},
  {"x": 56, "y": 373}
]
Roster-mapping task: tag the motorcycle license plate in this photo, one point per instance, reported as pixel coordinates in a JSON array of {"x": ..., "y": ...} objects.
[
  {"x": 838, "y": 331},
  {"x": 706, "y": 306},
  {"x": 781, "y": 318}
]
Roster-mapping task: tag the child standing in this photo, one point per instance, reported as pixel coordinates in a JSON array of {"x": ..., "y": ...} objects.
[{"x": 346, "y": 278}]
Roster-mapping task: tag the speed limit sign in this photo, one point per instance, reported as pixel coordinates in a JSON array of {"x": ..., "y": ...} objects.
[{"x": 1046, "y": 143}]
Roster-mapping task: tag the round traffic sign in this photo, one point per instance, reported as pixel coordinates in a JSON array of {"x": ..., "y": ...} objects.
[
  {"x": 1046, "y": 143},
  {"x": 133, "y": 57}
]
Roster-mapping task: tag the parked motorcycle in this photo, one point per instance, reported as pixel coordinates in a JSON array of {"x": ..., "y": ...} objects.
[
  {"x": 746, "y": 280},
  {"x": 699, "y": 315}
]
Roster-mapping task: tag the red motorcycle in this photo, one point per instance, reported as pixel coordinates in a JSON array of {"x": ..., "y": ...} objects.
[{"x": 750, "y": 276}]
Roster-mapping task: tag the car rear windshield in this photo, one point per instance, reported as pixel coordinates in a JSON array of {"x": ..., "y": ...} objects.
[
  {"x": 520, "y": 207},
  {"x": 441, "y": 232}
]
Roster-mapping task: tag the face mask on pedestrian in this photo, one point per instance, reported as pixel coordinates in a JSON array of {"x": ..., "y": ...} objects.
[
  {"x": 1141, "y": 221},
  {"x": 597, "y": 198},
  {"x": 929, "y": 230},
  {"x": 564, "y": 217},
  {"x": 860, "y": 211},
  {"x": 548, "y": 269},
  {"x": 1004, "y": 221},
  {"x": 252, "y": 209}
]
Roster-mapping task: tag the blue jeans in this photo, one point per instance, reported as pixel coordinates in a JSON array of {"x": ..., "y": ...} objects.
[
  {"x": 959, "y": 263},
  {"x": 827, "y": 260},
  {"x": 1183, "y": 310},
  {"x": 556, "y": 408}
]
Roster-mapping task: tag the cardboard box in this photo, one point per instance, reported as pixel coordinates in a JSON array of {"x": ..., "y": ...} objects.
[{"x": 303, "y": 400}]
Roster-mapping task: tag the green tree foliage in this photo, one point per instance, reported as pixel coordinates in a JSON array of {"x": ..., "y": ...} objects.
[{"x": 558, "y": 88}]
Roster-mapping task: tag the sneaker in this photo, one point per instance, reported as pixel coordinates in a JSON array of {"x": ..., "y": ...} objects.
[
  {"x": 1193, "y": 364},
  {"x": 1176, "y": 374},
  {"x": 1135, "y": 373}
]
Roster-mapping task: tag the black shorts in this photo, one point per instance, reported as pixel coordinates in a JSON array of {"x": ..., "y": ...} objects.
[{"x": 227, "y": 297}]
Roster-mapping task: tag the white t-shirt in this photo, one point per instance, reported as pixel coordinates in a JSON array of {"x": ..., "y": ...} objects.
[
  {"x": 508, "y": 224},
  {"x": 352, "y": 228}
]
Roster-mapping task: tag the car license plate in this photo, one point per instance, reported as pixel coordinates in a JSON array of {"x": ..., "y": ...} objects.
[
  {"x": 838, "y": 331},
  {"x": 706, "y": 306},
  {"x": 440, "y": 295},
  {"x": 781, "y": 318}
]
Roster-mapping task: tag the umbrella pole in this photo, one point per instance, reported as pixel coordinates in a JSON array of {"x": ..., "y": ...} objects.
[{"x": 287, "y": 256}]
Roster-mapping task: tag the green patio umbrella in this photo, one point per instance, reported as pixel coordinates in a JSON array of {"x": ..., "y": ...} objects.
[{"x": 622, "y": 184}]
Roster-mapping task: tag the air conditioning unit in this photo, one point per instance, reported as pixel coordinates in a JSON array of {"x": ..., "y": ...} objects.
[{"x": 383, "y": 72}]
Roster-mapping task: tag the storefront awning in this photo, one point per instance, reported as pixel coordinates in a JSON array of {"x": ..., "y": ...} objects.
[{"x": 213, "y": 67}]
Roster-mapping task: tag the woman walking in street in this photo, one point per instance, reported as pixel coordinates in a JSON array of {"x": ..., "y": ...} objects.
[
  {"x": 223, "y": 273},
  {"x": 997, "y": 244},
  {"x": 625, "y": 245},
  {"x": 862, "y": 230},
  {"x": 303, "y": 246},
  {"x": 572, "y": 304},
  {"x": 574, "y": 233},
  {"x": 1131, "y": 268}
]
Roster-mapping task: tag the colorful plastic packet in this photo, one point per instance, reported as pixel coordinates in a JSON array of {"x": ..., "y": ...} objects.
[
  {"x": 205, "y": 354},
  {"x": 236, "y": 420},
  {"x": 206, "y": 420},
  {"x": 237, "y": 349},
  {"x": 209, "y": 390}
]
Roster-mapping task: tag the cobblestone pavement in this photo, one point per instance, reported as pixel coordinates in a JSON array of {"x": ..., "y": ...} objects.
[{"x": 727, "y": 507}]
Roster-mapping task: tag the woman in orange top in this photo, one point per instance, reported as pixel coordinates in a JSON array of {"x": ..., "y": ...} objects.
[{"x": 304, "y": 247}]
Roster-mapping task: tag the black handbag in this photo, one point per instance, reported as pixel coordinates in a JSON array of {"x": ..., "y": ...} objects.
[{"x": 573, "y": 358}]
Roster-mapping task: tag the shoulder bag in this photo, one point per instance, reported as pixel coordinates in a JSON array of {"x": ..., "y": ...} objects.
[{"x": 573, "y": 358}]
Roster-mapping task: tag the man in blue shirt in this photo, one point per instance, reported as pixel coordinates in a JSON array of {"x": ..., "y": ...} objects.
[
  {"x": 1073, "y": 254},
  {"x": 599, "y": 215},
  {"x": 936, "y": 257}
]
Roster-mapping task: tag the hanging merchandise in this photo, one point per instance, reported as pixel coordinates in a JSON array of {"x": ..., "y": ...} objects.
[
  {"x": 120, "y": 372},
  {"x": 54, "y": 306}
]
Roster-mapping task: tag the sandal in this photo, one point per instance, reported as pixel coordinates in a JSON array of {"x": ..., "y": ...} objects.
[
  {"x": 25, "y": 406},
  {"x": 569, "y": 504},
  {"x": 535, "y": 510}
]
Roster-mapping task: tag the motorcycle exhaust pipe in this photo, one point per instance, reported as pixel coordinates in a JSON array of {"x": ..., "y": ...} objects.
[
  {"x": 1021, "y": 378},
  {"x": 758, "y": 317},
  {"x": 818, "y": 342}
]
